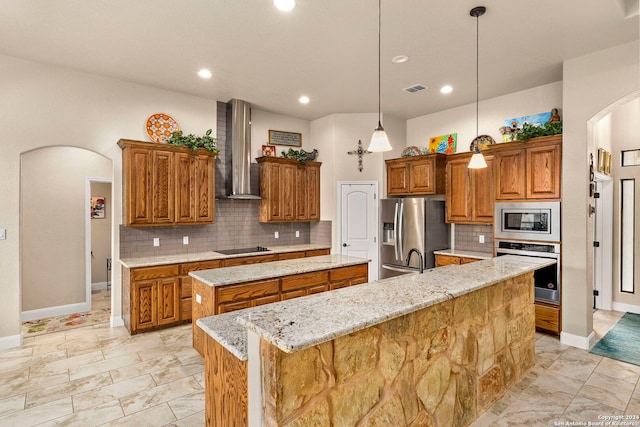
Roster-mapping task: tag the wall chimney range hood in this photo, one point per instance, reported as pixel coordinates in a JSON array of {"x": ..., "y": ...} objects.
[{"x": 238, "y": 177}]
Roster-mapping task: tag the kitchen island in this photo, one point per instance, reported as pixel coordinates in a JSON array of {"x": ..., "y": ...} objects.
[
  {"x": 228, "y": 289},
  {"x": 421, "y": 349}
]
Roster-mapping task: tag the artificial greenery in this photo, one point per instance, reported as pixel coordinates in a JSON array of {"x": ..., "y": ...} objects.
[
  {"x": 194, "y": 142},
  {"x": 529, "y": 131},
  {"x": 299, "y": 155}
]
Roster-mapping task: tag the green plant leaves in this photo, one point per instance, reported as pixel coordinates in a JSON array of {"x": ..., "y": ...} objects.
[
  {"x": 529, "y": 131},
  {"x": 195, "y": 142},
  {"x": 298, "y": 155}
]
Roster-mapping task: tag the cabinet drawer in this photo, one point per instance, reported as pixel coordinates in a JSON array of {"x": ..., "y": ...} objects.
[
  {"x": 345, "y": 273},
  {"x": 446, "y": 260},
  {"x": 200, "y": 265},
  {"x": 306, "y": 280},
  {"x": 465, "y": 260},
  {"x": 291, "y": 255},
  {"x": 159, "y": 272},
  {"x": 233, "y": 306},
  {"x": 293, "y": 294},
  {"x": 318, "y": 289},
  {"x": 359, "y": 280},
  {"x": 548, "y": 318},
  {"x": 338, "y": 285},
  {"x": 249, "y": 260},
  {"x": 318, "y": 252},
  {"x": 247, "y": 290}
]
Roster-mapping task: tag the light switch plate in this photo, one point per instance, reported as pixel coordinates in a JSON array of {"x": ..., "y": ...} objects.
[
  {"x": 185, "y": 240},
  {"x": 480, "y": 238},
  {"x": 198, "y": 299},
  {"x": 276, "y": 235},
  {"x": 297, "y": 233},
  {"x": 3, "y": 234},
  {"x": 156, "y": 241}
]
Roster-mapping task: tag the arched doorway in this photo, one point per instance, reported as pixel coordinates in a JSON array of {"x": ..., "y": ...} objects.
[{"x": 54, "y": 211}]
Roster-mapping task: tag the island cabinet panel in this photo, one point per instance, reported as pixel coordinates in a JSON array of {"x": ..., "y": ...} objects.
[
  {"x": 226, "y": 397},
  {"x": 417, "y": 175},
  {"x": 226, "y": 298},
  {"x": 166, "y": 185},
  {"x": 290, "y": 190}
]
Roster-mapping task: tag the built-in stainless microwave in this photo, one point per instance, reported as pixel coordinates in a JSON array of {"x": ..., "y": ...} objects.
[{"x": 527, "y": 221}]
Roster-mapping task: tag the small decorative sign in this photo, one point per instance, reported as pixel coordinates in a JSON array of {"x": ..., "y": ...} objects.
[
  {"x": 268, "y": 151},
  {"x": 278, "y": 137}
]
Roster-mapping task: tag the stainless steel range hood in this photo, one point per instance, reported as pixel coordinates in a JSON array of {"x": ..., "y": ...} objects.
[{"x": 238, "y": 185}]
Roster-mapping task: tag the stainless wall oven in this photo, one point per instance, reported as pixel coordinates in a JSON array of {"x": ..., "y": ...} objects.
[
  {"x": 527, "y": 221},
  {"x": 547, "y": 279}
]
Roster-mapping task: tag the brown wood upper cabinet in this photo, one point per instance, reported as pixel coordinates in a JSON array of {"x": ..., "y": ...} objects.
[
  {"x": 530, "y": 170},
  {"x": 469, "y": 192},
  {"x": 290, "y": 190},
  {"x": 416, "y": 175},
  {"x": 166, "y": 185}
]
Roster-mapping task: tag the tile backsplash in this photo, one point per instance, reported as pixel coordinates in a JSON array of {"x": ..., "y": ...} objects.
[
  {"x": 466, "y": 237},
  {"x": 236, "y": 226}
]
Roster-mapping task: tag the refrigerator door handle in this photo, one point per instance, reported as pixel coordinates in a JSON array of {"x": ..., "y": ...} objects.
[
  {"x": 401, "y": 233},
  {"x": 395, "y": 228}
]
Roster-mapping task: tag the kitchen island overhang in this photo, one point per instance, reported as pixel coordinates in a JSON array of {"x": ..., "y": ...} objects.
[{"x": 441, "y": 346}]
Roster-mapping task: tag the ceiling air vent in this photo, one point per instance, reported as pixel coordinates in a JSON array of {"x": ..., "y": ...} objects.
[{"x": 414, "y": 88}]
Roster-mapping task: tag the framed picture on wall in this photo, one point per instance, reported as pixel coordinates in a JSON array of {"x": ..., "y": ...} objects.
[
  {"x": 97, "y": 207},
  {"x": 279, "y": 137}
]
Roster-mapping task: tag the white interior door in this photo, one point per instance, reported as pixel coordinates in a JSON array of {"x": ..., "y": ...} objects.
[
  {"x": 603, "y": 234},
  {"x": 358, "y": 213}
]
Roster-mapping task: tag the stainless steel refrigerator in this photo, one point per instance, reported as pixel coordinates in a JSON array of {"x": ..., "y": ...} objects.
[{"x": 407, "y": 223}]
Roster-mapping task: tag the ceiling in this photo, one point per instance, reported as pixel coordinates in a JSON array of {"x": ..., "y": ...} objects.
[{"x": 325, "y": 49}]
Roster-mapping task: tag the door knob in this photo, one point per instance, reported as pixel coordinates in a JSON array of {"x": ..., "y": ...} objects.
[{"x": 344, "y": 245}]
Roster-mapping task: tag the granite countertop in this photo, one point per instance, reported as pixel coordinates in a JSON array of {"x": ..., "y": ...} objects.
[
  {"x": 251, "y": 272},
  {"x": 296, "y": 324},
  {"x": 463, "y": 253},
  {"x": 211, "y": 255}
]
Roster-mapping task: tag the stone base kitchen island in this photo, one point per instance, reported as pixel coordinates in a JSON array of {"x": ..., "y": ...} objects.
[{"x": 432, "y": 349}]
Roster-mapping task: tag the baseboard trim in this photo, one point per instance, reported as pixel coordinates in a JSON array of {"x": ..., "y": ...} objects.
[
  {"x": 116, "y": 321},
  {"x": 618, "y": 306},
  {"x": 584, "y": 343},
  {"x": 59, "y": 310},
  {"x": 11, "y": 341},
  {"x": 98, "y": 286}
]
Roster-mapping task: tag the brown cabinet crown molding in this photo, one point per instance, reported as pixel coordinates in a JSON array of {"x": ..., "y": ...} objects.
[{"x": 166, "y": 185}]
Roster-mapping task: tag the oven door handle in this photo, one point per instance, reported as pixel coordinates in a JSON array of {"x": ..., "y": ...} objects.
[{"x": 527, "y": 253}]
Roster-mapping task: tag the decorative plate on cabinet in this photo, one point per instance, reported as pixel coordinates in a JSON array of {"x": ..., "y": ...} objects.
[
  {"x": 483, "y": 141},
  {"x": 160, "y": 127}
]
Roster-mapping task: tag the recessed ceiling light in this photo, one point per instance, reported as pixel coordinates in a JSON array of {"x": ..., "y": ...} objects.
[
  {"x": 400, "y": 59},
  {"x": 304, "y": 99},
  {"x": 205, "y": 74},
  {"x": 446, "y": 89},
  {"x": 284, "y": 5}
]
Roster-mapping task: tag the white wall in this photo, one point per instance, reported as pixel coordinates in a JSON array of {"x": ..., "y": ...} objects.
[
  {"x": 591, "y": 84},
  {"x": 338, "y": 134},
  {"x": 492, "y": 114},
  {"x": 47, "y": 106}
]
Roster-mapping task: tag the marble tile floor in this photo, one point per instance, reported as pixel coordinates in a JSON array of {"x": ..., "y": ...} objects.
[{"x": 98, "y": 375}]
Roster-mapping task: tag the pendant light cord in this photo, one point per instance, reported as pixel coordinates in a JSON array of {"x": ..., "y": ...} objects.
[
  {"x": 477, "y": 70},
  {"x": 379, "y": 50}
]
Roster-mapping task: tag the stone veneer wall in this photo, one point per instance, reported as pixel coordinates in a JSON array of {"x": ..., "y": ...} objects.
[
  {"x": 440, "y": 366},
  {"x": 466, "y": 237}
]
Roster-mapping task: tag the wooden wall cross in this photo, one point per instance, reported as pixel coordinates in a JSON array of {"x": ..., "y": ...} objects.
[{"x": 359, "y": 152}]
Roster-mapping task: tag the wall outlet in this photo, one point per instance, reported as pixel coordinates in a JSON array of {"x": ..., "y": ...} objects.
[
  {"x": 156, "y": 241},
  {"x": 480, "y": 238},
  {"x": 297, "y": 233},
  {"x": 185, "y": 240},
  {"x": 276, "y": 235},
  {"x": 3, "y": 234},
  {"x": 198, "y": 299}
]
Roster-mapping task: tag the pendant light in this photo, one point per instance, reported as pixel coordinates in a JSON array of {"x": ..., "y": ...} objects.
[
  {"x": 379, "y": 140},
  {"x": 477, "y": 159}
]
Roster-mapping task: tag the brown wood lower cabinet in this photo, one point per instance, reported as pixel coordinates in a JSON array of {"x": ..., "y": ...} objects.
[
  {"x": 548, "y": 317},
  {"x": 442, "y": 260},
  {"x": 160, "y": 296},
  {"x": 223, "y": 299}
]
